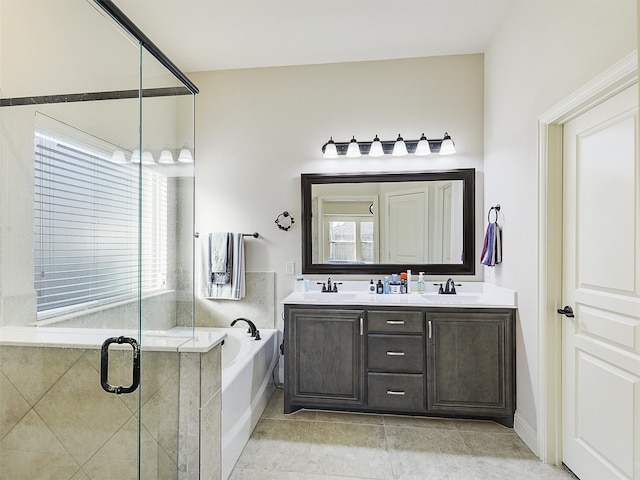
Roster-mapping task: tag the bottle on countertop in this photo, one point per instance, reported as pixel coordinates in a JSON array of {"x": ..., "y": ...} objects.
[
  {"x": 387, "y": 288},
  {"x": 394, "y": 286},
  {"x": 408, "y": 281},
  {"x": 421, "y": 282},
  {"x": 372, "y": 287},
  {"x": 380, "y": 287},
  {"x": 403, "y": 282}
]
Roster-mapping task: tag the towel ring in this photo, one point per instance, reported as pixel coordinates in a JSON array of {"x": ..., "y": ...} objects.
[
  {"x": 496, "y": 209},
  {"x": 285, "y": 214}
]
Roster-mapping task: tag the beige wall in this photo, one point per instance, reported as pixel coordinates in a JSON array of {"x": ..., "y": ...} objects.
[
  {"x": 545, "y": 51},
  {"x": 257, "y": 130}
]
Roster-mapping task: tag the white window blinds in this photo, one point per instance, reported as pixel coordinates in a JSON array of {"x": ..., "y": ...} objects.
[{"x": 100, "y": 227}]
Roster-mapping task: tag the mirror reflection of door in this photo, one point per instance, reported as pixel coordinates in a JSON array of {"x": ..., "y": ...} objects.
[
  {"x": 446, "y": 237},
  {"x": 406, "y": 222}
]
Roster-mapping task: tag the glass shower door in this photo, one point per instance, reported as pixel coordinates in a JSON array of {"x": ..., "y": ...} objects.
[{"x": 100, "y": 277}]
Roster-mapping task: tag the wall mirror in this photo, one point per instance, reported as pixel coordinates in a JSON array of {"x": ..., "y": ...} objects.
[{"x": 360, "y": 223}]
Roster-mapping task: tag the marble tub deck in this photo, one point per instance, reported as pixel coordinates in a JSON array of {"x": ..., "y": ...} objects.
[{"x": 316, "y": 445}]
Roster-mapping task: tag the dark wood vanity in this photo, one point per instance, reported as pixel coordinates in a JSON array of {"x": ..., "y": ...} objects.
[{"x": 431, "y": 361}]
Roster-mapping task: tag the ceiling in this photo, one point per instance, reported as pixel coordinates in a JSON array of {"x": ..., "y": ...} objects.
[{"x": 201, "y": 35}]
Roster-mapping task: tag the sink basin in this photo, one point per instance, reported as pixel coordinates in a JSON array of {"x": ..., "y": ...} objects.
[
  {"x": 328, "y": 297},
  {"x": 457, "y": 299}
]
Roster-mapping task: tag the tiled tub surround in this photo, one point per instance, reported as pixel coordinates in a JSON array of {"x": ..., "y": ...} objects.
[
  {"x": 258, "y": 305},
  {"x": 57, "y": 423}
]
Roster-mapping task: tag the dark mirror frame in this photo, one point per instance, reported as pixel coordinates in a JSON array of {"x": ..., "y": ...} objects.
[{"x": 467, "y": 267}]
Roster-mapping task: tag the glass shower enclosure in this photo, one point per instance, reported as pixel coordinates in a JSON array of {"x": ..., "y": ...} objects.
[{"x": 96, "y": 245}]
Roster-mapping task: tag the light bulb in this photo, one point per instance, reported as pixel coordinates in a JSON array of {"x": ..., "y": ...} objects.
[
  {"x": 447, "y": 147},
  {"x": 353, "y": 150},
  {"x": 376, "y": 148},
  {"x": 185, "y": 155},
  {"x": 166, "y": 157},
  {"x": 118, "y": 157},
  {"x": 400, "y": 148},
  {"x": 147, "y": 158},
  {"x": 330, "y": 150},
  {"x": 423, "y": 147}
]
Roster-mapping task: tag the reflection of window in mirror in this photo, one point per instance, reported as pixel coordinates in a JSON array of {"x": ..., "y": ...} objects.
[
  {"x": 350, "y": 240},
  {"x": 348, "y": 229}
]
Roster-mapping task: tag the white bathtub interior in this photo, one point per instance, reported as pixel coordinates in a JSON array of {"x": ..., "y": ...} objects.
[{"x": 247, "y": 386}]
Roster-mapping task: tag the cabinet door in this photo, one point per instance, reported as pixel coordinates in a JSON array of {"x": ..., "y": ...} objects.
[
  {"x": 324, "y": 358},
  {"x": 470, "y": 358}
]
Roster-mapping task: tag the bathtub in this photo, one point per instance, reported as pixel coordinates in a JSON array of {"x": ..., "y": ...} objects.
[{"x": 247, "y": 386}]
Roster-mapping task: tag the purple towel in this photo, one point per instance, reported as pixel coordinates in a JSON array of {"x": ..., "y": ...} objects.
[{"x": 492, "y": 247}]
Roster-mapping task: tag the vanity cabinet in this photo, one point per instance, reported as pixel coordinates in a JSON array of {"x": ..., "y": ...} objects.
[
  {"x": 395, "y": 360},
  {"x": 324, "y": 355},
  {"x": 470, "y": 358},
  {"x": 453, "y": 362}
]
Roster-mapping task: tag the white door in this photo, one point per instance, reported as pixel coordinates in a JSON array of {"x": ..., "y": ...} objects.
[
  {"x": 406, "y": 225},
  {"x": 601, "y": 283}
]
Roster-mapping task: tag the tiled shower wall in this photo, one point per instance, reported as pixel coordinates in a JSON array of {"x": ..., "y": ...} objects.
[{"x": 56, "y": 422}]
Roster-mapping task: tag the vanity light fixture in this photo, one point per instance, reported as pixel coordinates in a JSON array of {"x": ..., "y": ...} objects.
[
  {"x": 399, "y": 147},
  {"x": 423, "y": 148},
  {"x": 353, "y": 150},
  {"x": 118, "y": 157},
  {"x": 185, "y": 155},
  {"x": 330, "y": 150},
  {"x": 147, "y": 158},
  {"x": 135, "y": 156},
  {"x": 376, "y": 148},
  {"x": 166, "y": 157},
  {"x": 447, "y": 146}
]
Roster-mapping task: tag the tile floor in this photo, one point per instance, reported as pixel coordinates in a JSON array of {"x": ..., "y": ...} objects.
[{"x": 316, "y": 445}]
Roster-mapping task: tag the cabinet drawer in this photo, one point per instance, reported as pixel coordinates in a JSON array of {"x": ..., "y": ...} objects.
[
  {"x": 395, "y": 321},
  {"x": 395, "y": 353},
  {"x": 396, "y": 391}
]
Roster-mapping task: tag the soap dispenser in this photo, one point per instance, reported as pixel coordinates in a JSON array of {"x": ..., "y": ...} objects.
[
  {"x": 372, "y": 287},
  {"x": 421, "y": 282}
]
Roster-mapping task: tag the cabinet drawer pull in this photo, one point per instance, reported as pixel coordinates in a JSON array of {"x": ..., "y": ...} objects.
[
  {"x": 395, "y": 392},
  {"x": 395, "y": 322},
  {"x": 430, "y": 330},
  {"x": 395, "y": 354}
]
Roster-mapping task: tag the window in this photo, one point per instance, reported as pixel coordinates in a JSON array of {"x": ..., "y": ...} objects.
[
  {"x": 88, "y": 247},
  {"x": 350, "y": 239}
]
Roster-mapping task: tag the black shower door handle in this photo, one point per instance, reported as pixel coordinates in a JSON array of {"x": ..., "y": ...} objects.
[{"x": 104, "y": 366}]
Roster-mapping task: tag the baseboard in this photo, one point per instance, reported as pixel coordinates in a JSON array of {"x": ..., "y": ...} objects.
[{"x": 526, "y": 432}]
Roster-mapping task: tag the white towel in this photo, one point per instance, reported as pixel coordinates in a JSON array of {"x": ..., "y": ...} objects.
[
  {"x": 235, "y": 288},
  {"x": 220, "y": 257}
]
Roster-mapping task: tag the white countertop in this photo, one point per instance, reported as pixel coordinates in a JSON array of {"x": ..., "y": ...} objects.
[
  {"x": 177, "y": 339},
  {"x": 469, "y": 294}
]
